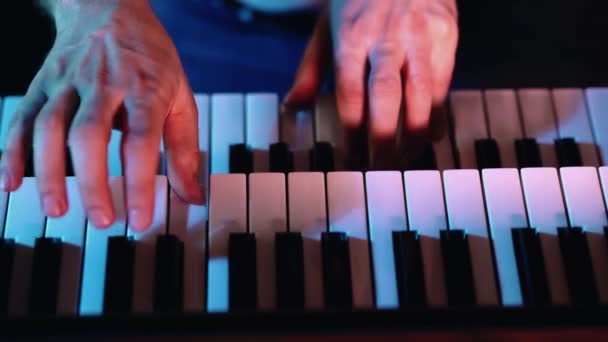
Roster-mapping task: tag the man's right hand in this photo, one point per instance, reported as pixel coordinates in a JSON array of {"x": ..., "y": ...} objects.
[{"x": 112, "y": 65}]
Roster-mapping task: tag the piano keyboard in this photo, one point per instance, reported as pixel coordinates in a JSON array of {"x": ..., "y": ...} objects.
[{"x": 507, "y": 210}]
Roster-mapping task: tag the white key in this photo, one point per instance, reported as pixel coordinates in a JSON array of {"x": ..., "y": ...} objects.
[
  {"x": 386, "y": 212},
  {"x": 188, "y": 223},
  {"x": 70, "y": 228},
  {"x": 227, "y": 214},
  {"x": 503, "y": 120},
  {"x": 603, "y": 171},
  {"x": 114, "y": 161},
  {"x": 506, "y": 210},
  {"x": 145, "y": 250},
  {"x": 466, "y": 211},
  {"x": 267, "y": 216},
  {"x": 585, "y": 206},
  {"x": 426, "y": 214},
  {"x": 227, "y": 128},
  {"x": 573, "y": 122},
  {"x": 347, "y": 213},
  {"x": 307, "y": 215},
  {"x": 9, "y": 106},
  {"x": 469, "y": 124},
  {"x": 597, "y": 98},
  {"x": 539, "y": 122},
  {"x": 546, "y": 213},
  {"x": 96, "y": 253},
  {"x": 297, "y": 132},
  {"x": 24, "y": 224},
  {"x": 444, "y": 155},
  {"x": 328, "y": 128},
  {"x": 3, "y": 207},
  {"x": 262, "y": 119}
]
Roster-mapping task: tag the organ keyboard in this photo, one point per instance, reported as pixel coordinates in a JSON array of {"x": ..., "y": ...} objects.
[{"x": 503, "y": 221}]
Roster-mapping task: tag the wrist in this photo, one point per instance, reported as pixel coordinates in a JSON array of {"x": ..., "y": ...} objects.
[{"x": 68, "y": 14}]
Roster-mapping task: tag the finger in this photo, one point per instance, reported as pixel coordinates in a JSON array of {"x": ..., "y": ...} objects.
[
  {"x": 350, "y": 63},
  {"x": 144, "y": 122},
  {"x": 88, "y": 139},
  {"x": 314, "y": 62},
  {"x": 49, "y": 151},
  {"x": 182, "y": 147},
  {"x": 18, "y": 140},
  {"x": 418, "y": 91},
  {"x": 385, "y": 89}
]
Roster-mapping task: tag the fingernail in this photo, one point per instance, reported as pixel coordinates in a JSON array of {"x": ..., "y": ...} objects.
[
  {"x": 53, "y": 206},
  {"x": 99, "y": 218},
  {"x": 137, "y": 220}
]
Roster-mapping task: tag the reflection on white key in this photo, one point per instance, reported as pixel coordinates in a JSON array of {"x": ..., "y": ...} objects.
[
  {"x": 469, "y": 124},
  {"x": 506, "y": 210},
  {"x": 546, "y": 213},
  {"x": 262, "y": 119},
  {"x": 70, "y": 228},
  {"x": 573, "y": 122},
  {"x": 307, "y": 215},
  {"x": 227, "y": 214},
  {"x": 267, "y": 216},
  {"x": 24, "y": 224},
  {"x": 426, "y": 214},
  {"x": 9, "y": 106},
  {"x": 585, "y": 205},
  {"x": 347, "y": 213},
  {"x": 539, "y": 122},
  {"x": 145, "y": 250},
  {"x": 443, "y": 147},
  {"x": 597, "y": 98},
  {"x": 329, "y": 128},
  {"x": 466, "y": 211},
  {"x": 297, "y": 132},
  {"x": 96, "y": 252},
  {"x": 386, "y": 212},
  {"x": 188, "y": 222},
  {"x": 227, "y": 128},
  {"x": 503, "y": 120}
]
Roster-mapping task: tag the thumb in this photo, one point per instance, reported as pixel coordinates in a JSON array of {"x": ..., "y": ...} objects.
[
  {"x": 182, "y": 147},
  {"x": 314, "y": 62}
]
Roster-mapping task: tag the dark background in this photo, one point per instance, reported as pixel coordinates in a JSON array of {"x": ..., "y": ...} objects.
[{"x": 504, "y": 43}]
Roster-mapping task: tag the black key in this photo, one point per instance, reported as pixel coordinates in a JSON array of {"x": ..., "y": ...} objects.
[
  {"x": 69, "y": 165},
  {"x": 458, "y": 269},
  {"x": 337, "y": 285},
  {"x": 7, "y": 258},
  {"x": 44, "y": 283},
  {"x": 281, "y": 158},
  {"x": 530, "y": 266},
  {"x": 577, "y": 266},
  {"x": 118, "y": 293},
  {"x": 408, "y": 268},
  {"x": 528, "y": 153},
  {"x": 289, "y": 262},
  {"x": 322, "y": 157},
  {"x": 487, "y": 154},
  {"x": 568, "y": 153},
  {"x": 241, "y": 159},
  {"x": 242, "y": 272},
  {"x": 169, "y": 274},
  {"x": 425, "y": 160},
  {"x": 29, "y": 165}
]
